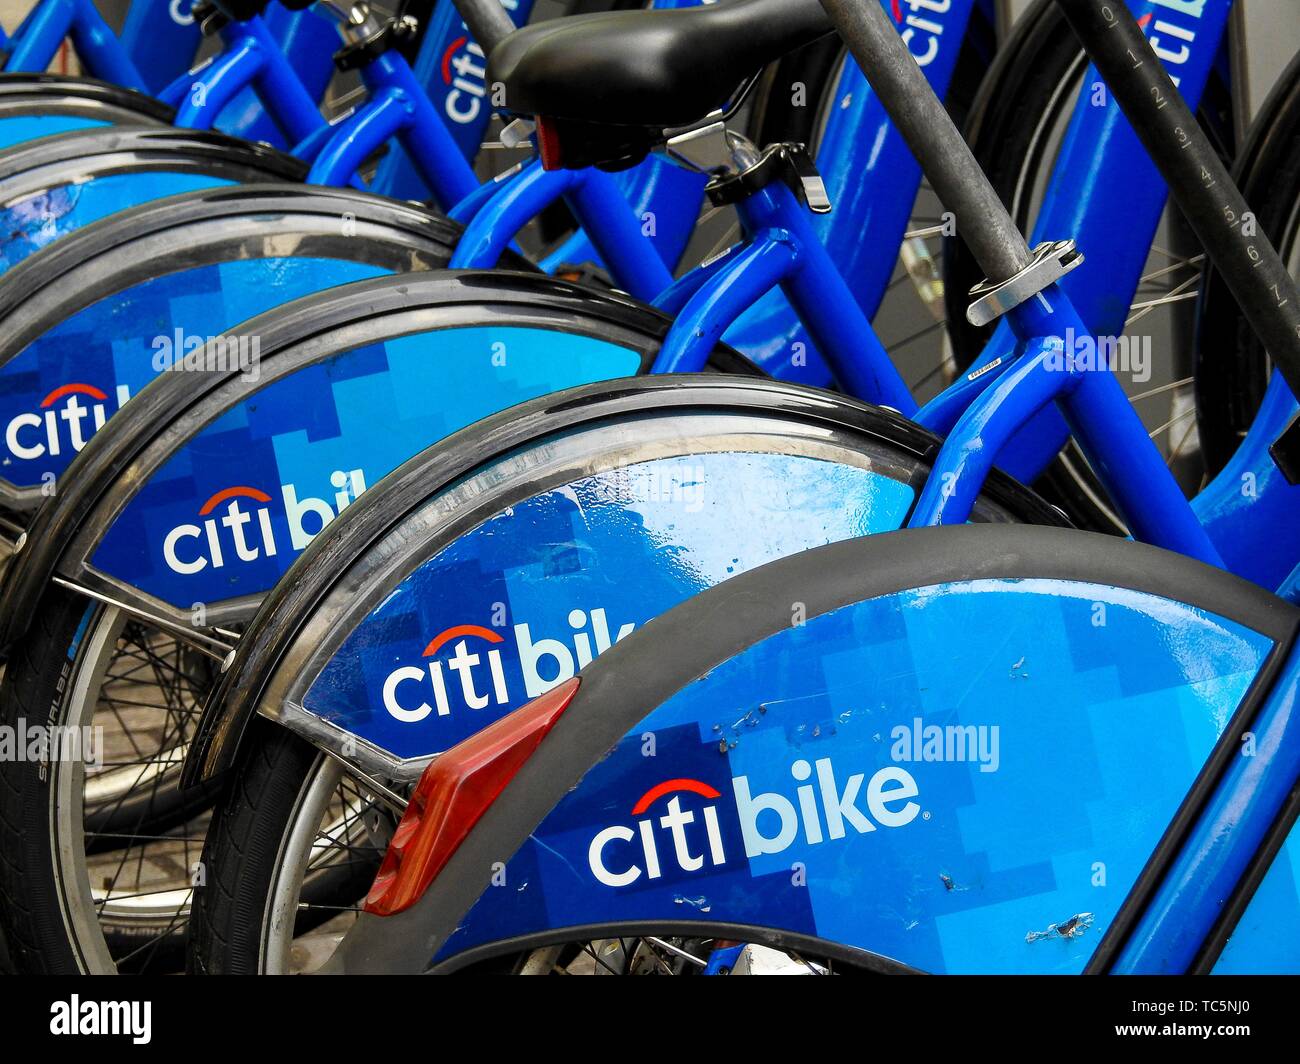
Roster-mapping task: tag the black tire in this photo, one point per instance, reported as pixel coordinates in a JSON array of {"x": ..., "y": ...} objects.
[
  {"x": 1232, "y": 367},
  {"x": 255, "y": 810},
  {"x": 31, "y": 908},
  {"x": 1039, "y": 63}
]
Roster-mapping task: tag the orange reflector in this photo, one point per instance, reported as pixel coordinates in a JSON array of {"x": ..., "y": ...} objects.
[
  {"x": 454, "y": 792},
  {"x": 548, "y": 144}
]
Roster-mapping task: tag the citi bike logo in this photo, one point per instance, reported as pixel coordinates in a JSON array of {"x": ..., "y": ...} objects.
[
  {"x": 917, "y": 26},
  {"x": 235, "y": 524},
  {"x": 1169, "y": 40},
  {"x": 464, "y": 71},
  {"x": 823, "y": 810},
  {"x": 463, "y": 665},
  {"x": 64, "y": 423}
]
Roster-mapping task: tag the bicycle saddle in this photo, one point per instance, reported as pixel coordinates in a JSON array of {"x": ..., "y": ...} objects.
[{"x": 607, "y": 85}]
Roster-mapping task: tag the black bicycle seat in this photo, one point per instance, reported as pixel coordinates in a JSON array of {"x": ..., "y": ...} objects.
[{"x": 642, "y": 71}]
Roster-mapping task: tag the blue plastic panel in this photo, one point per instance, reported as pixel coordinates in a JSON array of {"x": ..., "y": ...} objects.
[
  {"x": 1265, "y": 940},
  {"x": 534, "y": 593},
  {"x": 21, "y": 128},
  {"x": 228, "y": 513},
  {"x": 963, "y": 778},
  {"x": 64, "y": 385},
  {"x": 29, "y": 224}
]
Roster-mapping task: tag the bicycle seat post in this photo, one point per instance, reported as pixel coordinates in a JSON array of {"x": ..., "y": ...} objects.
[{"x": 486, "y": 21}]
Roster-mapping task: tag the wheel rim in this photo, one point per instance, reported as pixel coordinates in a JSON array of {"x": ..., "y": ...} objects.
[{"x": 134, "y": 879}]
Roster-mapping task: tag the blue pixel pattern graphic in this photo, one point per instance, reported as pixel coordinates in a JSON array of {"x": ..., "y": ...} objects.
[
  {"x": 19, "y": 129},
  {"x": 36, "y": 221},
  {"x": 972, "y": 804},
  {"x": 524, "y": 600},
  {"x": 226, "y": 515},
  {"x": 60, "y": 389}
]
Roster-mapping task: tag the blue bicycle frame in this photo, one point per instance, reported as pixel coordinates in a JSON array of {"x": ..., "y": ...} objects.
[
  {"x": 251, "y": 67},
  {"x": 989, "y": 410},
  {"x": 156, "y": 45}
]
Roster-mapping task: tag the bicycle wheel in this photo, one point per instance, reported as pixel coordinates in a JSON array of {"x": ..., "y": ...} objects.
[
  {"x": 540, "y": 521},
  {"x": 1016, "y": 130},
  {"x": 40, "y": 105},
  {"x": 198, "y": 264},
  {"x": 887, "y": 789},
  {"x": 332, "y": 365},
  {"x": 52, "y": 186}
]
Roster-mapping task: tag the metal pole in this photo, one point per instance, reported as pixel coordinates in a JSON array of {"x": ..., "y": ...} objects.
[
  {"x": 486, "y": 21},
  {"x": 982, "y": 221},
  {"x": 1200, "y": 183}
]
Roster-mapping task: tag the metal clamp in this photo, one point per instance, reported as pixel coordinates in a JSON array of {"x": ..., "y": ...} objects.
[
  {"x": 1051, "y": 261},
  {"x": 368, "y": 39},
  {"x": 789, "y": 163},
  {"x": 209, "y": 17}
]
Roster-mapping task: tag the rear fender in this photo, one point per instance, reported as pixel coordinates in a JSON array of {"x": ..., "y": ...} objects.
[
  {"x": 562, "y": 516},
  {"x": 1032, "y": 852},
  {"x": 190, "y": 443}
]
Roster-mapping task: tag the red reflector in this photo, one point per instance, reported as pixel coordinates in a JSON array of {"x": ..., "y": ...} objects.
[
  {"x": 548, "y": 143},
  {"x": 454, "y": 792}
]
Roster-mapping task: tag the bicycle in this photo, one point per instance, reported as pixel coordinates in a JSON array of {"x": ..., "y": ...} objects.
[
  {"x": 157, "y": 42},
  {"x": 407, "y": 562},
  {"x": 160, "y": 599}
]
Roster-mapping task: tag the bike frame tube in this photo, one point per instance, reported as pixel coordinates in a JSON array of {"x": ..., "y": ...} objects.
[
  {"x": 1116, "y": 231},
  {"x": 814, "y": 288},
  {"x": 764, "y": 262},
  {"x": 673, "y": 298},
  {"x": 872, "y": 178},
  {"x": 201, "y": 96},
  {"x": 1244, "y": 806},
  {"x": 251, "y": 59},
  {"x": 37, "y": 41},
  {"x": 1108, "y": 430},
  {"x": 397, "y": 108},
  {"x": 452, "y": 70},
  {"x": 466, "y": 209},
  {"x": 599, "y": 203},
  {"x": 357, "y": 136},
  {"x": 300, "y": 44},
  {"x": 493, "y": 217},
  {"x": 493, "y": 214}
]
